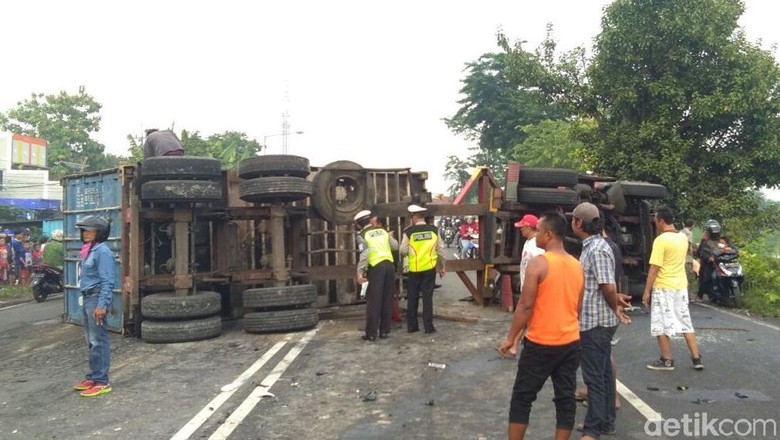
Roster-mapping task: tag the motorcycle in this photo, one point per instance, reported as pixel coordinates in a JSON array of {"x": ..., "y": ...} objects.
[
  {"x": 448, "y": 235},
  {"x": 473, "y": 251},
  {"x": 727, "y": 277},
  {"x": 45, "y": 281}
]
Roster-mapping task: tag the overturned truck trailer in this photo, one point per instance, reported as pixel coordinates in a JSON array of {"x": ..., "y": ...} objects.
[
  {"x": 194, "y": 243},
  {"x": 272, "y": 240}
]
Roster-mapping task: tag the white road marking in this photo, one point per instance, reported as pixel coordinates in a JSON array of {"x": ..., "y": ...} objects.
[
  {"x": 11, "y": 307},
  {"x": 243, "y": 410},
  {"x": 208, "y": 410},
  {"x": 636, "y": 402},
  {"x": 737, "y": 315}
]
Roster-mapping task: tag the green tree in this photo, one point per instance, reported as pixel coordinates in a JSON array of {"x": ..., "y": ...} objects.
[
  {"x": 551, "y": 144},
  {"x": 67, "y": 122},
  {"x": 682, "y": 98},
  {"x": 458, "y": 171}
]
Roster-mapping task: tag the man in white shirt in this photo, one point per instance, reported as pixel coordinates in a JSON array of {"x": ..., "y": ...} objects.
[{"x": 527, "y": 226}]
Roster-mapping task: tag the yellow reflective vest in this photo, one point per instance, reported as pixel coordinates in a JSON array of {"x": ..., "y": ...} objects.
[
  {"x": 378, "y": 242},
  {"x": 422, "y": 245}
]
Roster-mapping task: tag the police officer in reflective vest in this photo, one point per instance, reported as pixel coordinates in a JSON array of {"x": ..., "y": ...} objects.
[
  {"x": 376, "y": 266},
  {"x": 425, "y": 250}
]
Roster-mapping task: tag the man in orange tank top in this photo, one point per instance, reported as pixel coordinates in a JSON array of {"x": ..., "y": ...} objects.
[{"x": 549, "y": 309}]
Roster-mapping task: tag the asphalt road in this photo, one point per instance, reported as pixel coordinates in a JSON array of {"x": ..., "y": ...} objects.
[
  {"x": 314, "y": 384},
  {"x": 30, "y": 313}
]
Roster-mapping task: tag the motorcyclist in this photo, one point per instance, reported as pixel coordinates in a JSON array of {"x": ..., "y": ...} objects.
[
  {"x": 706, "y": 252},
  {"x": 54, "y": 253},
  {"x": 468, "y": 231}
]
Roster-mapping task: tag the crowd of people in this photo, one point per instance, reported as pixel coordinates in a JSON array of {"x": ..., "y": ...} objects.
[{"x": 19, "y": 254}]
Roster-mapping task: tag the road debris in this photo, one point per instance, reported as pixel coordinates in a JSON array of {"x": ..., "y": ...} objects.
[
  {"x": 430, "y": 403},
  {"x": 741, "y": 396},
  {"x": 437, "y": 365},
  {"x": 703, "y": 401},
  {"x": 370, "y": 396},
  {"x": 682, "y": 387}
]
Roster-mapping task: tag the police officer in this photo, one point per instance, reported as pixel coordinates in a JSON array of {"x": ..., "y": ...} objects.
[
  {"x": 376, "y": 266},
  {"x": 425, "y": 250}
]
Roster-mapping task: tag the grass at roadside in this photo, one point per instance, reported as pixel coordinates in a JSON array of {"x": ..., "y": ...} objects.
[
  {"x": 762, "y": 304},
  {"x": 11, "y": 292}
]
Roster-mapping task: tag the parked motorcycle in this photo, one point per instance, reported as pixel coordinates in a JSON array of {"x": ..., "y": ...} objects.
[
  {"x": 727, "y": 277},
  {"x": 45, "y": 281}
]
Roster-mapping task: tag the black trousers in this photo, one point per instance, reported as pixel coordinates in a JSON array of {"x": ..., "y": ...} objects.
[
  {"x": 379, "y": 298},
  {"x": 420, "y": 283},
  {"x": 538, "y": 362}
]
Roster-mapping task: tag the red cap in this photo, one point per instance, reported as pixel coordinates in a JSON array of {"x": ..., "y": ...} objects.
[{"x": 529, "y": 220}]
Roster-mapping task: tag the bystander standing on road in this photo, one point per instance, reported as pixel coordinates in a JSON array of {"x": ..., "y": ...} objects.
[
  {"x": 162, "y": 143},
  {"x": 666, "y": 292},
  {"x": 600, "y": 316},
  {"x": 5, "y": 265},
  {"x": 549, "y": 308},
  {"x": 96, "y": 286},
  {"x": 527, "y": 226},
  {"x": 376, "y": 267},
  {"x": 425, "y": 250}
]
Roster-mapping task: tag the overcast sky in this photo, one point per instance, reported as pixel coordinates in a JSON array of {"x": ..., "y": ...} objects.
[{"x": 366, "y": 81}]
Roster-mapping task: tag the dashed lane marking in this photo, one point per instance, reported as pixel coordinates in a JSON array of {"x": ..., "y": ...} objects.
[
  {"x": 262, "y": 390},
  {"x": 11, "y": 307},
  {"x": 636, "y": 402},
  {"x": 228, "y": 390}
]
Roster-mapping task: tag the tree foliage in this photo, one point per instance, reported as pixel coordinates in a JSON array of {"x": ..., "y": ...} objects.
[
  {"x": 67, "y": 122},
  {"x": 551, "y": 143},
  {"x": 458, "y": 171},
  {"x": 682, "y": 98}
]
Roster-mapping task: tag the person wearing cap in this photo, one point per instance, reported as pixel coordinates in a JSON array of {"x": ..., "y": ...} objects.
[
  {"x": 376, "y": 267},
  {"x": 425, "y": 251},
  {"x": 548, "y": 309},
  {"x": 162, "y": 143},
  {"x": 527, "y": 226},
  {"x": 601, "y": 313}
]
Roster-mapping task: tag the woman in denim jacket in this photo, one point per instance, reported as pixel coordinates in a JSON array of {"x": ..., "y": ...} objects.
[{"x": 96, "y": 285}]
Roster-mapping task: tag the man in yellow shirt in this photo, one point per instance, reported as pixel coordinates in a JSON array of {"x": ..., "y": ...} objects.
[{"x": 667, "y": 287}]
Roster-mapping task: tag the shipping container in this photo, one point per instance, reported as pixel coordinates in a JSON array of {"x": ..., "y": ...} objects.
[{"x": 100, "y": 194}]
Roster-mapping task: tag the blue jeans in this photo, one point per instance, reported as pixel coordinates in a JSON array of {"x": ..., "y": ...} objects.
[
  {"x": 466, "y": 244},
  {"x": 97, "y": 342},
  {"x": 596, "y": 367}
]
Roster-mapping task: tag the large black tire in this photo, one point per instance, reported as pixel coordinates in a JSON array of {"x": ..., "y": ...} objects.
[
  {"x": 285, "y": 296},
  {"x": 548, "y": 177},
  {"x": 39, "y": 293},
  {"x": 341, "y": 190},
  {"x": 644, "y": 190},
  {"x": 181, "y": 331},
  {"x": 273, "y": 165},
  {"x": 168, "y": 306},
  {"x": 547, "y": 196},
  {"x": 280, "y": 321},
  {"x": 274, "y": 189},
  {"x": 181, "y": 168},
  {"x": 183, "y": 191}
]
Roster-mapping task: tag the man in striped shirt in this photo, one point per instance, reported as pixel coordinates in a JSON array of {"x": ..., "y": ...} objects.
[{"x": 599, "y": 318}]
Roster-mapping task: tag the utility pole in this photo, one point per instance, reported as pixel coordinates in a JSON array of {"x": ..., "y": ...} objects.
[{"x": 286, "y": 119}]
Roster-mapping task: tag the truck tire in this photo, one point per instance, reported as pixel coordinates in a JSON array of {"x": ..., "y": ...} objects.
[
  {"x": 274, "y": 189},
  {"x": 547, "y": 177},
  {"x": 184, "y": 191},
  {"x": 341, "y": 190},
  {"x": 273, "y": 165},
  {"x": 547, "y": 196},
  {"x": 275, "y": 297},
  {"x": 181, "y": 331},
  {"x": 281, "y": 320},
  {"x": 168, "y": 306},
  {"x": 181, "y": 168},
  {"x": 644, "y": 190}
]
